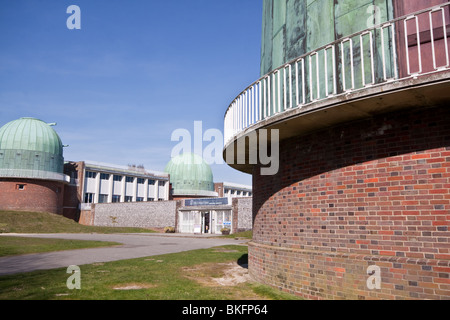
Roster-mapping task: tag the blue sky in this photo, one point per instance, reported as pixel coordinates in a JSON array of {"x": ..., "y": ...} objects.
[{"x": 135, "y": 72}]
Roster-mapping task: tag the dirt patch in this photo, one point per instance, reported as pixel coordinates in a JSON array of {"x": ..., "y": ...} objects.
[
  {"x": 229, "y": 278},
  {"x": 217, "y": 274},
  {"x": 134, "y": 286}
]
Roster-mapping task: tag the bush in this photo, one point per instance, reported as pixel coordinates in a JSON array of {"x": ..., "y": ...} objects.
[{"x": 169, "y": 230}]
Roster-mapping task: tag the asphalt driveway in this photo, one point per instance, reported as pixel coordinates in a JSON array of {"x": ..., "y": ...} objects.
[{"x": 134, "y": 246}]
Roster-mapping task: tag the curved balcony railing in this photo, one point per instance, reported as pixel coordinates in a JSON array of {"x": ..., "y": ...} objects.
[{"x": 406, "y": 47}]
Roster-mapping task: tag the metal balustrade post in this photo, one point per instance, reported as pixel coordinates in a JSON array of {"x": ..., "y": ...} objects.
[
  {"x": 419, "y": 55},
  {"x": 444, "y": 26},
  {"x": 372, "y": 65}
]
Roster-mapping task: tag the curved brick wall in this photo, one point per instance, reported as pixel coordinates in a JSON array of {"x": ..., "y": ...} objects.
[
  {"x": 37, "y": 196},
  {"x": 373, "y": 192}
]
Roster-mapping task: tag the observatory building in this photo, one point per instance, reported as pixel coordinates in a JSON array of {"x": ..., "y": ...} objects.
[
  {"x": 357, "y": 94},
  {"x": 31, "y": 167}
]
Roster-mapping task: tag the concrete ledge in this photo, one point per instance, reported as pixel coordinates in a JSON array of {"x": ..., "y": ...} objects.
[{"x": 427, "y": 90}]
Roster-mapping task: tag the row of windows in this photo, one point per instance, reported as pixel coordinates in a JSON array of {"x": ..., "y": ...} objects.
[
  {"x": 103, "y": 198},
  {"x": 238, "y": 192},
  {"x": 106, "y": 176}
]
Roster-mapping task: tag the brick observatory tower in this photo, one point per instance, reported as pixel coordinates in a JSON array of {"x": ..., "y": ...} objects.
[
  {"x": 31, "y": 167},
  {"x": 359, "y": 92}
]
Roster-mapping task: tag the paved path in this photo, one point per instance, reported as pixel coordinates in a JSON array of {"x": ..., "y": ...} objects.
[{"x": 134, "y": 246}]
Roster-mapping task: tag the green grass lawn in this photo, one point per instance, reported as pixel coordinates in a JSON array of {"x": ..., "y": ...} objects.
[
  {"x": 207, "y": 274},
  {"x": 181, "y": 276}
]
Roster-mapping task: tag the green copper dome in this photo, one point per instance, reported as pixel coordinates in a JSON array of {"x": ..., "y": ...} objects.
[
  {"x": 30, "y": 148},
  {"x": 190, "y": 175}
]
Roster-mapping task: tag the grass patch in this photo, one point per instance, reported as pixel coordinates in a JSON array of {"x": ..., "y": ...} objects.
[
  {"x": 192, "y": 275},
  {"x": 245, "y": 234},
  {"x": 10, "y": 246},
  {"x": 38, "y": 222}
]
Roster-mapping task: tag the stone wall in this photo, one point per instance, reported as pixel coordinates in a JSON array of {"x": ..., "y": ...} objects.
[
  {"x": 242, "y": 214},
  {"x": 136, "y": 214}
]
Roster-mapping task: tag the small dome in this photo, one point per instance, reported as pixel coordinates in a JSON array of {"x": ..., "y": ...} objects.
[
  {"x": 30, "y": 134},
  {"x": 190, "y": 175},
  {"x": 30, "y": 144}
]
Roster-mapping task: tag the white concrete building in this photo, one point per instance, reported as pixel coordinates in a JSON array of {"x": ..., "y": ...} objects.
[
  {"x": 107, "y": 183},
  {"x": 233, "y": 190}
]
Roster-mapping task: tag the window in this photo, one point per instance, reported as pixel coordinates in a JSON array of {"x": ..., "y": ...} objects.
[
  {"x": 90, "y": 174},
  {"x": 104, "y": 176},
  {"x": 139, "y": 199},
  {"x": 20, "y": 187},
  {"x": 160, "y": 199},
  {"x": 103, "y": 198},
  {"x": 151, "y": 182},
  {"x": 140, "y": 181},
  {"x": 115, "y": 199},
  {"x": 162, "y": 183},
  {"x": 117, "y": 178},
  {"x": 128, "y": 199},
  {"x": 89, "y": 198},
  {"x": 151, "y": 199},
  {"x": 129, "y": 179}
]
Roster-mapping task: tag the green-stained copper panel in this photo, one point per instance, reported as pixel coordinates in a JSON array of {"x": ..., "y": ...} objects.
[
  {"x": 31, "y": 145},
  {"x": 292, "y": 28},
  {"x": 190, "y": 175}
]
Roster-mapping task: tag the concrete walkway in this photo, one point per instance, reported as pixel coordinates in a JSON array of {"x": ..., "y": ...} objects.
[{"x": 134, "y": 246}]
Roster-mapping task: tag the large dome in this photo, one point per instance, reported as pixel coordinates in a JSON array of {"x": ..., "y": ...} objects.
[
  {"x": 190, "y": 175},
  {"x": 30, "y": 145}
]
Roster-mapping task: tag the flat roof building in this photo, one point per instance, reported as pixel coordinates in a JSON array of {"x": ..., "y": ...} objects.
[{"x": 99, "y": 182}]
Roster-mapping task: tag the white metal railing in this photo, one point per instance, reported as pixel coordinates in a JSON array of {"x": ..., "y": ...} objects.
[{"x": 387, "y": 52}]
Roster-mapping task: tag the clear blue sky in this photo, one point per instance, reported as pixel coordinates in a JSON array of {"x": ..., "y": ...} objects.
[{"x": 136, "y": 71}]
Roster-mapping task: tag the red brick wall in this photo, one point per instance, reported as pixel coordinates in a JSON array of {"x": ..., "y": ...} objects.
[
  {"x": 369, "y": 192},
  {"x": 37, "y": 196}
]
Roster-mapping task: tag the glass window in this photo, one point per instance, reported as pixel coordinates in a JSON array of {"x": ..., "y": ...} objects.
[
  {"x": 151, "y": 182},
  {"x": 89, "y": 198},
  {"x": 162, "y": 183},
  {"x": 139, "y": 199},
  {"x": 128, "y": 199},
  {"x": 115, "y": 199},
  {"x": 103, "y": 198},
  {"x": 129, "y": 179},
  {"x": 151, "y": 199},
  {"x": 117, "y": 178},
  {"x": 90, "y": 174},
  {"x": 140, "y": 181},
  {"x": 104, "y": 176}
]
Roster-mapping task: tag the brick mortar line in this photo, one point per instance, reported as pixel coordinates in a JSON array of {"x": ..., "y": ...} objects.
[{"x": 354, "y": 256}]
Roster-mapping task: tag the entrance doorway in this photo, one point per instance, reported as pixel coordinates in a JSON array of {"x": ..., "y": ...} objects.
[{"x": 206, "y": 222}]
